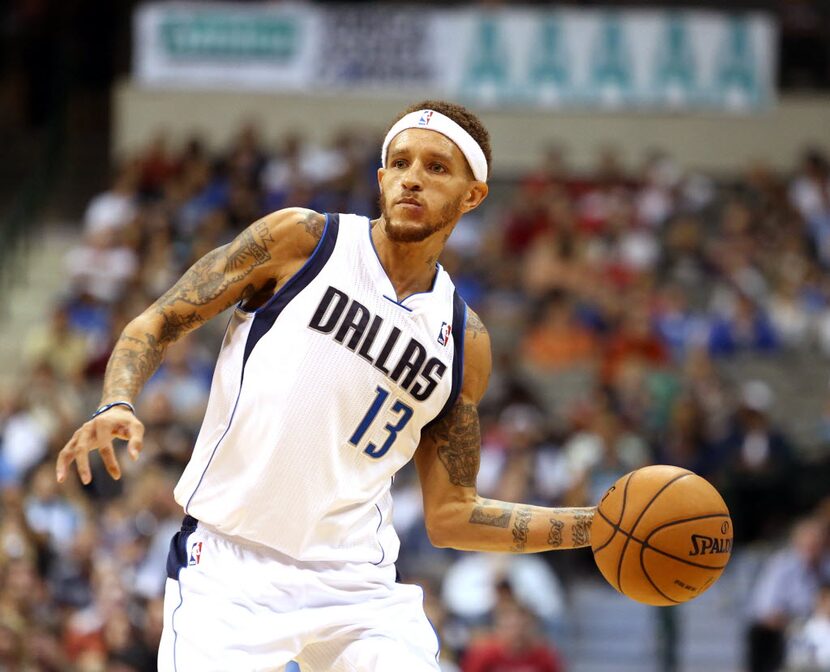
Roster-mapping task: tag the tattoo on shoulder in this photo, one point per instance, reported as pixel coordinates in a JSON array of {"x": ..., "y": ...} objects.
[
  {"x": 492, "y": 516},
  {"x": 474, "y": 324},
  {"x": 314, "y": 223},
  {"x": 521, "y": 528},
  {"x": 459, "y": 443},
  {"x": 555, "y": 534}
]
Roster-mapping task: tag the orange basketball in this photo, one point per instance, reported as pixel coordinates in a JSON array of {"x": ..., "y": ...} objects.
[{"x": 662, "y": 535}]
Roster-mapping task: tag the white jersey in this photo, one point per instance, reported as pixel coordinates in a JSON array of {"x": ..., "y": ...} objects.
[{"x": 318, "y": 398}]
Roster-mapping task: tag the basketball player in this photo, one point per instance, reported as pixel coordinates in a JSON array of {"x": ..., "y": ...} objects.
[{"x": 348, "y": 351}]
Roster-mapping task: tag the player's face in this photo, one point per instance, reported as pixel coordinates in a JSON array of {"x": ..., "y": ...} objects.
[{"x": 426, "y": 186}]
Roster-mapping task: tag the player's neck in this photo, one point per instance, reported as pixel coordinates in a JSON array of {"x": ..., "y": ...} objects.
[{"x": 410, "y": 267}]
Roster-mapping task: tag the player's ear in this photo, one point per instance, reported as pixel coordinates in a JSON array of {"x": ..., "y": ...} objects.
[
  {"x": 381, "y": 171},
  {"x": 476, "y": 193}
]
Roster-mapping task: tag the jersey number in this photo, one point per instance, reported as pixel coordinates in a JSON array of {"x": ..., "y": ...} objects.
[{"x": 404, "y": 415}]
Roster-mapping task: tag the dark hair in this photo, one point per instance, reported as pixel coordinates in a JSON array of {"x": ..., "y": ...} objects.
[{"x": 461, "y": 116}]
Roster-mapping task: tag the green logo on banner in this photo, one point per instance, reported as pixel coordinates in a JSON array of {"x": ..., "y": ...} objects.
[
  {"x": 549, "y": 68},
  {"x": 487, "y": 76},
  {"x": 227, "y": 35},
  {"x": 612, "y": 67},
  {"x": 737, "y": 83},
  {"x": 676, "y": 65}
]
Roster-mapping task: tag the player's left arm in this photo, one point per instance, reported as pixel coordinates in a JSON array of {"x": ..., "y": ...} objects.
[{"x": 448, "y": 459}]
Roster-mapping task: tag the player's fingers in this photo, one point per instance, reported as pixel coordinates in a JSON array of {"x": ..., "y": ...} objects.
[
  {"x": 65, "y": 458},
  {"x": 110, "y": 460},
  {"x": 85, "y": 443},
  {"x": 136, "y": 439},
  {"x": 82, "y": 465}
]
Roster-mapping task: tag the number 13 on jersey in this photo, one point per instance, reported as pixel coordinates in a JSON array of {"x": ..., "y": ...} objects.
[{"x": 403, "y": 414}]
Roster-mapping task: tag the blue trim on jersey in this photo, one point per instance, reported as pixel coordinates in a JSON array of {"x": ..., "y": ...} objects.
[
  {"x": 382, "y": 552},
  {"x": 408, "y": 296},
  {"x": 218, "y": 443},
  {"x": 397, "y": 303},
  {"x": 459, "y": 328},
  {"x": 173, "y": 625},
  {"x": 265, "y": 316}
]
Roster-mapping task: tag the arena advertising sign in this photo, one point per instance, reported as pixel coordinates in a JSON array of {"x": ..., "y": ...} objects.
[
  {"x": 608, "y": 59},
  {"x": 224, "y": 45}
]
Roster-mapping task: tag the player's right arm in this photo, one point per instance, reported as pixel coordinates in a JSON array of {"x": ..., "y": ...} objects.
[{"x": 256, "y": 263}]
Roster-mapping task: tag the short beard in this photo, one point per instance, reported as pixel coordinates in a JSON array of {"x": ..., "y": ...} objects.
[{"x": 448, "y": 214}]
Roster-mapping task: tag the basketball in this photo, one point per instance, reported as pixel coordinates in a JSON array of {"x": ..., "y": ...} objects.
[{"x": 662, "y": 535}]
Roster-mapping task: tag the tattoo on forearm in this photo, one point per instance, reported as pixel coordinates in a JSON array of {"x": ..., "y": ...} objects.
[
  {"x": 459, "y": 442},
  {"x": 131, "y": 364},
  {"x": 500, "y": 517},
  {"x": 581, "y": 529},
  {"x": 555, "y": 534},
  {"x": 521, "y": 527}
]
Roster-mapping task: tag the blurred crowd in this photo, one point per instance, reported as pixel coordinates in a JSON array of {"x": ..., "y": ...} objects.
[{"x": 625, "y": 306}]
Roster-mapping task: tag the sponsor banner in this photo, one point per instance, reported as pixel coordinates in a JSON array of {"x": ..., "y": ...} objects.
[
  {"x": 554, "y": 58},
  {"x": 225, "y": 45},
  {"x": 610, "y": 59}
]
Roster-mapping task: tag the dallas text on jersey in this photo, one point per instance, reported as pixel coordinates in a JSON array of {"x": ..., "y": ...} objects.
[{"x": 348, "y": 321}]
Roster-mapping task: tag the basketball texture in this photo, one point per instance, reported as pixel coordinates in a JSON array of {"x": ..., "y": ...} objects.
[{"x": 662, "y": 535}]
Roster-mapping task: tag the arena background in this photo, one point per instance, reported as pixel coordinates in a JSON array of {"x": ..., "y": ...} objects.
[{"x": 652, "y": 264}]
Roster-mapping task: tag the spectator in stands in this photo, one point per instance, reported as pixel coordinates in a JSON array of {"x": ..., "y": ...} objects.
[
  {"x": 600, "y": 454},
  {"x": 24, "y": 440},
  {"x": 745, "y": 328},
  {"x": 808, "y": 648},
  {"x": 514, "y": 646},
  {"x": 678, "y": 326},
  {"x": 60, "y": 346},
  {"x": 786, "y": 590},
  {"x": 477, "y": 585},
  {"x": 115, "y": 209},
  {"x": 632, "y": 339},
  {"x": 757, "y": 467},
  {"x": 810, "y": 196},
  {"x": 685, "y": 442},
  {"x": 101, "y": 266},
  {"x": 558, "y": 340}
]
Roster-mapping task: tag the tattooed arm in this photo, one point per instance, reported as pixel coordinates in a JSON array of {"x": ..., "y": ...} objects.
[
  {"x": 447, "y": 460},
  {"x": 251, "y": 267}
]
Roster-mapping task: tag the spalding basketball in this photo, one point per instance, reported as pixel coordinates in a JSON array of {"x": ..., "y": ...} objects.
[{"x": 662, "y": 535}]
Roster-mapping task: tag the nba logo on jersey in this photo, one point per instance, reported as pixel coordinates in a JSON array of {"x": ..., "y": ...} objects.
[
  {"x": 444, "y": 333},
  {"x": 426, "y": 115},
  {"x": 195, "y": 554}
]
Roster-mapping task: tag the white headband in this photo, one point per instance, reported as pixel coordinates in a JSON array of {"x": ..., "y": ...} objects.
[{"x": 435, "y": 121}]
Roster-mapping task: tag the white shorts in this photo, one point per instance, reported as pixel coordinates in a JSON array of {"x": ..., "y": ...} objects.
[{"x": 245, "y": 608}]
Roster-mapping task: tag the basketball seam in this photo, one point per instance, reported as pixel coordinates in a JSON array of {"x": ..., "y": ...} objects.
[
  {"x": 646, "y": 574},
  {"x": 685, "y": 520},
  {"x": 645, "y": 544},
  {"x": 616, "y": 527},
  {"x": 637, "y": 522}
]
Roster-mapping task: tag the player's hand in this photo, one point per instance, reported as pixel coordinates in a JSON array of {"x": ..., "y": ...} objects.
[{"x": 97, "y": 434}]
